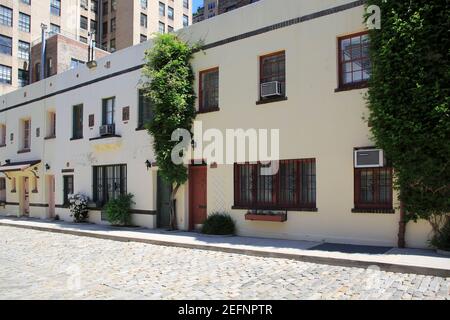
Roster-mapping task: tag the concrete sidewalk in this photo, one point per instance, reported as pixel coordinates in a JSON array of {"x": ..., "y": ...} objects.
[{"x": 418, "y": 261}]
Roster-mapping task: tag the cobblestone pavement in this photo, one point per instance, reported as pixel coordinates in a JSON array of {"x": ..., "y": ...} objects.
[{"x": 42, "y": 265}]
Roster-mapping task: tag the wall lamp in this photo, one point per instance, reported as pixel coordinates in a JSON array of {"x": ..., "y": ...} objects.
[
  {"x": 47, "y": 166},
  {"x": 148, "y": 164}
]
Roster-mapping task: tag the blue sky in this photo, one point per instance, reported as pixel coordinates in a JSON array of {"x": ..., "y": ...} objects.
[{"x": 196, "y": 4}]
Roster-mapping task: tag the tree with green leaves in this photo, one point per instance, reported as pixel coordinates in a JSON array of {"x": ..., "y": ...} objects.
[
  {"x": 169, "y": 80},
  {"x": 409, "y": 96}
]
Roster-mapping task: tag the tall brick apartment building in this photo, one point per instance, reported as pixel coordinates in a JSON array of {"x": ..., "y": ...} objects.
[{"x": 212, "y": 8}]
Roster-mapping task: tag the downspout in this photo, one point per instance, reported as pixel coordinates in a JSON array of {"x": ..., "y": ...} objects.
[{"x": 43, "y": 51}]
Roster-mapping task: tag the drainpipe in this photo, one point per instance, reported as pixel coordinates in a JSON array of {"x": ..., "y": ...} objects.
[
  {"x": 43, "y": 50},
  {"x": 402, "y": 227}
]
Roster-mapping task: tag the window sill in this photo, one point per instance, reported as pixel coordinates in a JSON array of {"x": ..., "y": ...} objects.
[
  {"x": 353, "y": 86},
  {"x": 24, "y": 151},
  {"x": 301, "y": 209},
  {"x": 208, "y": 110},
  {"x": 76, "y": 138},
  {"x": 271, "y": 100},
  {"x": 105, "y": 137},
  {"x": 50, "y": 138},
  {"x": 367, "y": 210}
]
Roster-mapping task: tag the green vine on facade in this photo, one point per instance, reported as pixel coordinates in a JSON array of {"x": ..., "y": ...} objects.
[
  {"x": 409, "y": 96},
  {"x": 169, "y": 84}
]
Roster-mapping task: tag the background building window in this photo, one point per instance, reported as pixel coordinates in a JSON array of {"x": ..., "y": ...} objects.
[
  {"x": 145, "y": 110},
  {"x": 108, "y": 183},
  {"x": 83, "y": 23},
  {"x": 186, "y": 4},
  {"x": 24, "y": 22},
  {"x": 93, "y": 26},
  {"x": 112, "y": 45},
  {"x": 162, "y": 27},
  {"x": 143, "y": 38},
  {"x": 292, "y": 187},
  {"x": 113, "y": 5},
  {"x": 23, "y": 78},
  {"x": 113, "y": 24},
  {"x": 170, "y": 13},
  {"x": 54, "y": 29},
  {"x": 108, "y": 111},
  {"x": 169, "y": 29},
  {"x": 67, "y": 188},
  {"x": 83, "y": 39},
  {"x": 209, "y": 90},
  {"x": 143, "y": 20},
  {"x": 51, "y": 118},
  {"x": 373, "y": 188},
  {"x": 55, "y": 7},
  {"x": 5, "y": 45},
  {"x": 26, "y": 1},
  {"x": 6, "y": 16},
  {"x": 77, "y": 122},
  {"x": 5, "y": 74},
  {"x": 24, "y": 50},
  {"x": 94, "y": 6},
  {"x": 273, "y": 68},
  {"x": 185, "y": 20},
  {"x": 144, "y": 4},
  {"x": 75, "y": 63},
  {"x": 162, "y": 9},
  {"x": 354, "y": 61}
]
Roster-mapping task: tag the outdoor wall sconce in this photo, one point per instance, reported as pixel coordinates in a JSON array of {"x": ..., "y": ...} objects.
[
  {"x": 193, "y": 144},
  {"x": 148, "y": 164},
  {"x": 47, "y": 166}
]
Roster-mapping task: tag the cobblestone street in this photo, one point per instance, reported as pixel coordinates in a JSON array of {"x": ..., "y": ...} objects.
[{"x": 43, "y": 265}]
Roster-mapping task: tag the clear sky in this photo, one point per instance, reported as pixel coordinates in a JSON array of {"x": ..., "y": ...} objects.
[{"x": 196, "y": 4}]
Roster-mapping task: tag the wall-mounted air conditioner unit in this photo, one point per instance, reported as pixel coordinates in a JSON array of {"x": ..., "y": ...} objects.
[
  {"x": 369, "y": 158},
  {"x": 107, "y": 129},
  {"x": 270, "y": 89}
]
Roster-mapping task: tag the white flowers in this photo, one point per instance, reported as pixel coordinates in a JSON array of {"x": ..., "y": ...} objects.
[{"x": 78, "y": 206}]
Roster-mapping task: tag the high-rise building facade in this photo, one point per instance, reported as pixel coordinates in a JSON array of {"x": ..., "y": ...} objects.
[
  {"x": 212, "y": 8},
  {"x": 117, "y": 24}
]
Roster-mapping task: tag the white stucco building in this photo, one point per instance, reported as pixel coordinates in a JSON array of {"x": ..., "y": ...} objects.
[{"x": 312, "y": 58}]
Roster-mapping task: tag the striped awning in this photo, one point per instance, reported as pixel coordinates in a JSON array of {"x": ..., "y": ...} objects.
[{"x": 18, "y": 166}]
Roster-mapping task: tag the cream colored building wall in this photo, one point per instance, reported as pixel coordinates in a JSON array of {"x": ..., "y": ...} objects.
[{"x": 315, "y": 121}]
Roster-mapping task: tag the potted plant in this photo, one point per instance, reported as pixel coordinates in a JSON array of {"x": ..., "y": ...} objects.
[
  {"x": 118, "y": 210},
  {"x": 78, "y": 206}
]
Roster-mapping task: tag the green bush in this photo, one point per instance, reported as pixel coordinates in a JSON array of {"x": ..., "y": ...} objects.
[
  {"x": 118, "y": 210},
  {"x": 219, "y": 224},
  {"x": 441, "y": 239}
]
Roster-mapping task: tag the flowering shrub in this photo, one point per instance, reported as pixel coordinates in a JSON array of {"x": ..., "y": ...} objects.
[{"x": 78, "y": 207}]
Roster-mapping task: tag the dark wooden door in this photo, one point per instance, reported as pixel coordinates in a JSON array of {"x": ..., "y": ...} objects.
[
  {"x": 163, "y": 203},
  {"x": 197, "y": 196}
]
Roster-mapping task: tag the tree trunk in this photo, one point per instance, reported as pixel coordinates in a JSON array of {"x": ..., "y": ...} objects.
[
  {"x": 173, "y": 212},
  {"x": 402, "y": 227}
]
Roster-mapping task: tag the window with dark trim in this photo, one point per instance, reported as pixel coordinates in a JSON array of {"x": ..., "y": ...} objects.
[
  {"x": 273, "y": 68},
  {"x": 354, "y": 62},
  {"x": 109, "y": 182},
  {"x": 67, "y": 188},
  {"x": 209, "y": 90},
  {"x": 145, "y": 110},
  {"x": 293, "y": 187},
  {"x": 373, "y": 188},
  {"x": 126, "y": 113},
  {"x": 77, "y": 126},
  {"x": 5, "y": 45},
  {"x": 108, "y": 111}
]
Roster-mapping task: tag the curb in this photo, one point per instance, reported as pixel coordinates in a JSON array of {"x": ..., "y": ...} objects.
[{"x": 388, "y": 267}]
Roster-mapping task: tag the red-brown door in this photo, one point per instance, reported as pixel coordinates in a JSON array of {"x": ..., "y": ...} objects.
[{"x": 197, "y": 196}]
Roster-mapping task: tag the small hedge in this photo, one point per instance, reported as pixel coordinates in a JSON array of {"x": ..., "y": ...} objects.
[
  {"x": 441, "y": 240},
  {"x": 219, "y": 224},
  {"x": 118, "y": 210}
]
